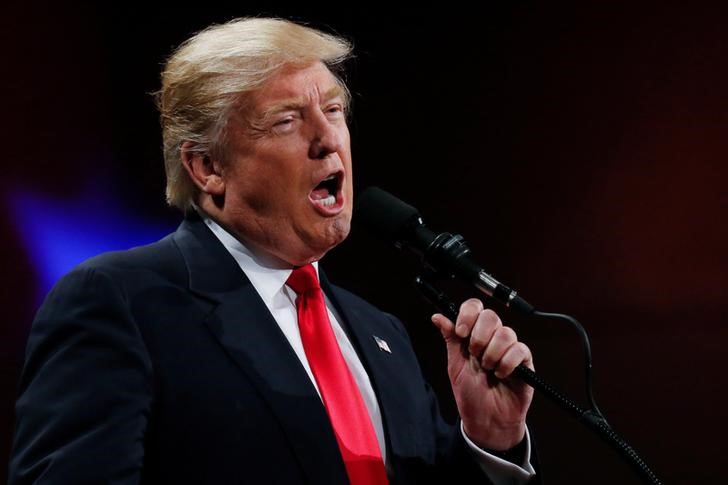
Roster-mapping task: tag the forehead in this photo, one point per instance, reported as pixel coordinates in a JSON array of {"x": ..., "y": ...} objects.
[{"x": 296, "y": 84}]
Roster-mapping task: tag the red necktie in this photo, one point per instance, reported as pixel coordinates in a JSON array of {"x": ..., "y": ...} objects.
[{"x": 348, "y": 414}]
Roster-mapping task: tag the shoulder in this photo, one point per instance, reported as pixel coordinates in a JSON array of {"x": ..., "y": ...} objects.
[
  {"x": 157, "y": 255},
  {"x": 122, "y": 272},
  {"x": 161, "y": 259}
]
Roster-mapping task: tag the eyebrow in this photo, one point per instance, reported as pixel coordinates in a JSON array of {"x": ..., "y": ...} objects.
[{"x": 296, "y": 104}]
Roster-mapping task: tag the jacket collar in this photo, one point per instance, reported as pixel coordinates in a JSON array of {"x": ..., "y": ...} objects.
[{"x": 212, "y": 271}]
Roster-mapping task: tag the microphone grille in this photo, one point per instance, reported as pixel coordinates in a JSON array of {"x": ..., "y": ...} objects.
[{"x": 383, "y": 213}]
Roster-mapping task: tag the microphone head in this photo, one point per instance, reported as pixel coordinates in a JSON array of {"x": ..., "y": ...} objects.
[{"x": 385, "y": 215}]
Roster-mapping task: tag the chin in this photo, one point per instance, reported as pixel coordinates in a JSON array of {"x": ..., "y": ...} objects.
[
  {"x": 318, "y": 245},
  {"x": 339, "y": 230}
]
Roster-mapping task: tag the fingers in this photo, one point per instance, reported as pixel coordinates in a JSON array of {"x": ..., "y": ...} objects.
[
  {"x": 491, "y": 344},
  {"x": 516, "y": 354},
  {"x": 485, "y": 327},
  {"x": 503, "y": 338},
  {"x": 447, "y": 328},
  {"x": 469, "y": 312}
]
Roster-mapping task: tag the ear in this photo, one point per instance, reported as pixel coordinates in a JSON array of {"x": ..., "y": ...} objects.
[{"x": 204, "y": 172}]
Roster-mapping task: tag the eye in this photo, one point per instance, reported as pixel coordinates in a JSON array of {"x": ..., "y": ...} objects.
[
  {"x": 284, "y": 124},
  {"x": 334, "y": 111}
]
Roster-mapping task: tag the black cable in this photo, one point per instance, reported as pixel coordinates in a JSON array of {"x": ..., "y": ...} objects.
[
  {"x": 587, "y": 355},
  {"x": 591, "y": 418}
]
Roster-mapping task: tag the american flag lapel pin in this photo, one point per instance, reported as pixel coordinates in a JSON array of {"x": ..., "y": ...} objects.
[{"x": 382, "y": 344}]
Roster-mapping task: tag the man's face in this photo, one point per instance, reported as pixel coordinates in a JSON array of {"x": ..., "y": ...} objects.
[{"x": 288, "y": 186}]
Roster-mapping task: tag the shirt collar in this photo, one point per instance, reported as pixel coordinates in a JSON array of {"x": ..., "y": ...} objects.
[{"x": 267, "y": 277}]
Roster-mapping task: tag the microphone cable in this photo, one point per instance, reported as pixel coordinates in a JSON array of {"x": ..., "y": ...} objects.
[{"x": 590, "y": 417}]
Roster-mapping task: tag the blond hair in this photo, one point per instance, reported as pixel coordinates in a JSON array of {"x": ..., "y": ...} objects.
[{"x": 205, "y": 77}]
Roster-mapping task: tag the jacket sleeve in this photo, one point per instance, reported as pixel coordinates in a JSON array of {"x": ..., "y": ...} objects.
[{"x": 86, "y": 389}]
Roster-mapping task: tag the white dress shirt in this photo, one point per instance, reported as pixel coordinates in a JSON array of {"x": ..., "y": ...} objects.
[{"x": 269, "y": 280}]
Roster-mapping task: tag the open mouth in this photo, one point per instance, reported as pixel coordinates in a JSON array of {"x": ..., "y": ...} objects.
[{"x": 327, "y": 194}]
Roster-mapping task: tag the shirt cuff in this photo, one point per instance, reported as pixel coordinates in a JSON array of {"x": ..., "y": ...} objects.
[{"x": 499, "y": 471}]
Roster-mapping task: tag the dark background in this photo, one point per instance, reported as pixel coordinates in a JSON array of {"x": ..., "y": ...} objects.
[{"x": 579, "y": 147}]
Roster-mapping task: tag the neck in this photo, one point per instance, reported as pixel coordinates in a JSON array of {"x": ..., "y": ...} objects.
[{"x": 258, "y": 253}]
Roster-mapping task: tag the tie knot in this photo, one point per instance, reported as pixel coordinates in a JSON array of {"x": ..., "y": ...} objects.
[{"x": 303, "y": 279}]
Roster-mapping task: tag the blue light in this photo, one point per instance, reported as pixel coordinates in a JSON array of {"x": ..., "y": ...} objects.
[{"x": 61, "y": 233}]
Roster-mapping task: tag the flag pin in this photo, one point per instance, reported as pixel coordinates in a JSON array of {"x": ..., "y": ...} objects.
[{"x": 382, "y": 344}]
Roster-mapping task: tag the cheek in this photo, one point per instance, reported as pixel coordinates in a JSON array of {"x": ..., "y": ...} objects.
[
  {"x": 258, "y": 202},
  {"x": 280, "y": 200},
  {"x": 257, "y": 187}
]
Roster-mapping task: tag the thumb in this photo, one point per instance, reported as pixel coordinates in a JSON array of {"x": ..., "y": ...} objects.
[{"x": 447, "y": 329}]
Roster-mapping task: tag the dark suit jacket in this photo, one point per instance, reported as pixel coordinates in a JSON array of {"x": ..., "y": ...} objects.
[{"x": 162, "y": 365}]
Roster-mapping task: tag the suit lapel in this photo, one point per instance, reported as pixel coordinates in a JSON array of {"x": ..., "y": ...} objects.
[
  {"x": 250, "y": 336},
  {"x": 384, "y": 370}
]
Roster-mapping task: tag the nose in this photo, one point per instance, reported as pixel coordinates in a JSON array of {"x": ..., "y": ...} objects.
[{"x": 327, "y": 137}]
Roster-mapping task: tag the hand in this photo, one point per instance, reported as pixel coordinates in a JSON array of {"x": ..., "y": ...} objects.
[{"x": 492, "y": 405}]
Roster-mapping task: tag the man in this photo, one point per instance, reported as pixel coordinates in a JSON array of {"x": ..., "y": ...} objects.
[{"x": 212, "y": 356}]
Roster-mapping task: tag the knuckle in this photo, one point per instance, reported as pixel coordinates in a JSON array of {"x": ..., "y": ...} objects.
[
  {"x": 488, "y": 361},
  {"x": 507, "y": 334},
  {"x": 490, "y": 317},
  {"x": 527, "y": 356},
  {"x": 509, "y": 361},
  {"x": 472, "y": 304},
  {"x": 476, "y": 341},
  {"x": 490, "y": 314},
  {"x": 518, "y": 353}
]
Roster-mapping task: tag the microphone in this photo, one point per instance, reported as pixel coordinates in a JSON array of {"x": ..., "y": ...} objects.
[
  {"x": 386, "y": 216},
  {"x": 399, "y": 222}
]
